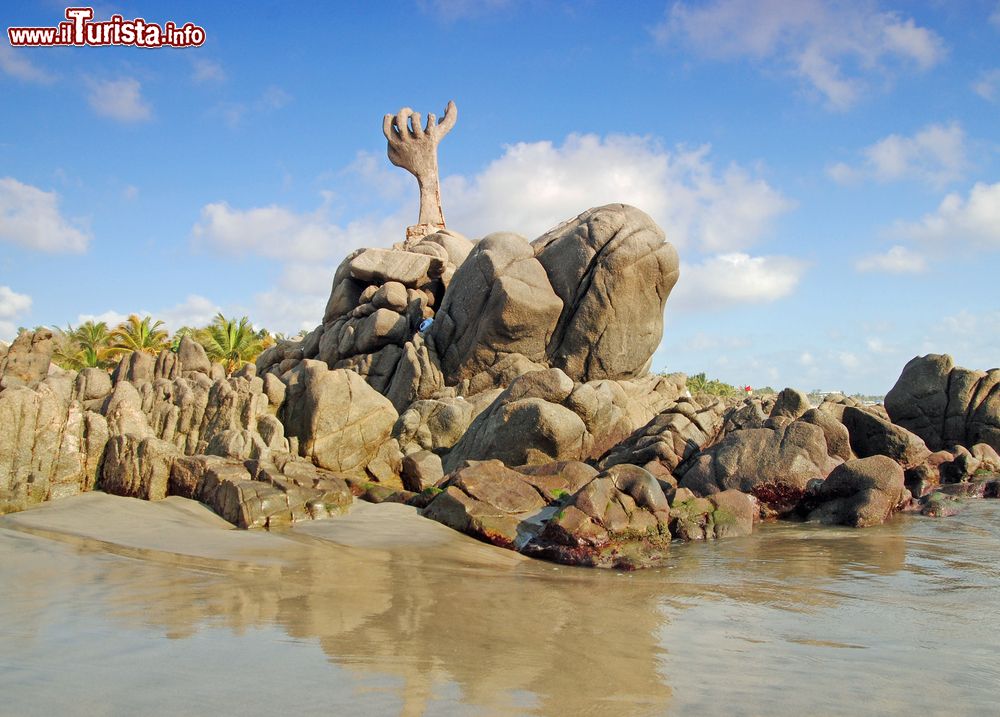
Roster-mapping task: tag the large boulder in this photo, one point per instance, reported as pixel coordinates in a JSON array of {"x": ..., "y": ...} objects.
[
  {"x": 339, "y": 420},
  {"x": 946, "y": 405},
  {"x": 774, "y": 465},
  {"x": 526, "y": 424},
  {"x": 874, "y": 436},
  {"x": 620, "y": 519},
  {"x": 490, "y": 502},
  {"x": 860, "y": 493},
  {"x": 26, "y": 361},
  {"x": 50, "y": 446},
  {"x": 613, "y": 270},
  {"x": 137, "y": 467},
  {"x": 499, "y": 302}
]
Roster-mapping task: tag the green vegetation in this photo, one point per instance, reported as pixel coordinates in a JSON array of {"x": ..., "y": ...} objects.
[{"x": 231, "y": 342}]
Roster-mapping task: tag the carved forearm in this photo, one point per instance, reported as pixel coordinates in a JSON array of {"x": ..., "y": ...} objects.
[{"x": 413, "y": 147}]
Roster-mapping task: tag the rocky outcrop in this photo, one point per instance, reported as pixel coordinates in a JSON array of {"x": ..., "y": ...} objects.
[
  {"x": 50, "y": 446},
  {"x": 946, "y": 405},
  {"x": 726, "y": 514},
  {"x": 874, "y": 436},
  {"x": 774, "y": 465},
  {"x": 491, "y": 502},
  {"x": 256, "y": 494},
  {"x": 675, "y": 434},
  {"x": 620, "y": 519},
  {"x": 500, "y": 302},
  {"x": 613, "y": 270},
  {"x": 339, "y": 421},
  {"x": 543, "y": 416},
  {"x": 860, "y": 493},
  {"x": 26, "y": 361}
]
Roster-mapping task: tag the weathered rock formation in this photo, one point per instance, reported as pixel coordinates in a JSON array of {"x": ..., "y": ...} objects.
[{"x": 946, "y": 405}]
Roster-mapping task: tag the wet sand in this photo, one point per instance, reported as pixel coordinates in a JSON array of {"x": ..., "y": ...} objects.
[{"x": 111, "y": 606}]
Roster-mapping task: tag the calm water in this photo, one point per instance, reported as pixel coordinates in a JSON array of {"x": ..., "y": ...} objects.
[{"x": 154, "y": 609}]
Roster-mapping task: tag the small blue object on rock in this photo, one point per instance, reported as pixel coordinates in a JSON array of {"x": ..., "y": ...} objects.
[{"x": 425, "y": 324}]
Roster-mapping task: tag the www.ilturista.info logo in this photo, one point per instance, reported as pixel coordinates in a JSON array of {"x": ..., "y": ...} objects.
[{"x": 80, "y": 29}]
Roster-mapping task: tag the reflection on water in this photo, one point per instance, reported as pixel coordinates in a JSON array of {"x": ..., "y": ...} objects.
[{"x": 383, "y": 612}]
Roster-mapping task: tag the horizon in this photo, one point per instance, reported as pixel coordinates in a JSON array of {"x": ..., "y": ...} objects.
[{"x": 827, "y": 172}]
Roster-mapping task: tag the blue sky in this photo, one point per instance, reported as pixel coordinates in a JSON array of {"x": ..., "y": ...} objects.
[{"x": 827, "y": 170}]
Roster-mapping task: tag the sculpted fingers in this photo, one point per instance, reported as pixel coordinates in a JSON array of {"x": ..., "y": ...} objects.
[
  {"x": 387, "y": 126},
  {"x": 418, "y": 131},
  {"x": 402, "y": 122},
  {"x": 448, "y": 121}
]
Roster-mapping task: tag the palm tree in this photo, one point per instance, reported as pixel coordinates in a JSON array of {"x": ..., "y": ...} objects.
[
  {"x": 87, "y": 346},
  {"x": 135, "y": 334},
  {"x": 234, "y": 343}
]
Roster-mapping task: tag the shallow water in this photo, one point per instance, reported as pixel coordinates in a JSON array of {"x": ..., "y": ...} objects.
[{"x": 116, "y": 607}]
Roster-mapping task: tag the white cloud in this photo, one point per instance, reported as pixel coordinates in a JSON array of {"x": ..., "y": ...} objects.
[
  {"x": 16, "y": 64},
  {"x": 12, "y": 306},
  {"x": 130, "y": 192},
  {"x": 119, "y": 99},
  {"x": 897, "y": 260},
  {"x": 281, "y": 311},
  {"x": 975, "y": 220},
  {"x": 207, "y": 71},
  {"x": 735, "y": 279},
  {"x": 833, "y": 47},
  {"x": 30, "y": 217},
  {"x": 987, "y": 85},
  {"x": 935, "y": 155},
  {"x": 806, "y": 359},
  {"x": 848, "y": 359},
  {"x": 195, "y": 311},
  {"x": 111, "y": 317},
  {"x": 280, "y": 233},
  {"x": 535, "y": 186}
]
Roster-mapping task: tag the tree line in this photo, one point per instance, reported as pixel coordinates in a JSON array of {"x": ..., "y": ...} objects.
[{"x": 94, "y": 344}]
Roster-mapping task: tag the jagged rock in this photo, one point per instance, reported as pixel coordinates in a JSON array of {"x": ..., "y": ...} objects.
[
  {"x": 417, "y": 375},
  {"x": 50, "y": 447},
  {"x": 260, "y": 494},
  {"x": 620, "y": 519},
  {"x": 167, "y": 365},
  {"x": 192, "y": 356},
  {"x": 420, "y": 470},
  {"x": 860, "y": 493},
  {"x": 838, "y": 439},
  {"x": 871, "y": 436},
  {"x": 671, "y": 437},
  {"x": 377, "y": 266},
  {"x": 274, "y": 389},
  {"x": 490, "y": 502},
  {"x": 499, "y": 302},
  {"x": 339, "y": 420},
  {"x": 136, "y": 367},
  {"x": 92, "y": 384},
  {"x": 946, "y": 405},
  {"x": 726, "y": 514},
  {"x": 790, "y": 403},
  {"x": 123, "y": 411},
  {"x": 613, "y": 271},
  {"x": 438, "y": 424},
  {"x": 559, "y": 479},
  {"x": 773, "y": 464},
  {"x": 137, "y": 467},
  {"x": 26, "y": 361},
  {"x": 499, "y": 374},
  {"x": 525, "y": 425},
  {"x": 748, "y": 414},
  {"x": 456, "y": 246}
]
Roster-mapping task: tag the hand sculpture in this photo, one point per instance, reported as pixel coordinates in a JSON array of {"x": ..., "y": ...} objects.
[{"x": 414, "y": 148}]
